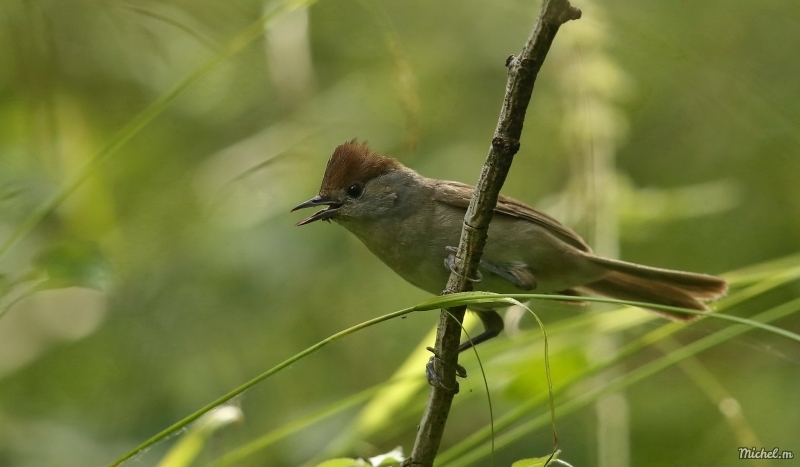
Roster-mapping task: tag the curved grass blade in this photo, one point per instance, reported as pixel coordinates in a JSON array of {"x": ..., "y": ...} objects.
[
  {"x": 237, "y": 455},
  {"x": 511, "y": 301},
  {"x": 626, "y": 380},
  {"x": 465, "y": 298},
  {"x": 262, "y": 442},
  {"x": 485, "y": 381},
  {"x": 521, "y": 410},
  {"x": 760, "y": 271},
  {"x": 237, "y": 44},
  {"x": 174, "y": 23},
  {"x": 446, "y": 301},
  {"x": 717, "y": 395},
  {"x": 549, "y": 385},
  {"x": 631, "y": 348},
  {"x": 230, "y": 395}
]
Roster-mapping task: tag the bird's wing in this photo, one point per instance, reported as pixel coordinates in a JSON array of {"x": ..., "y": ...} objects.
[
  {"x": 515, "y": 272},
  {"x": 458, "y": 194}
]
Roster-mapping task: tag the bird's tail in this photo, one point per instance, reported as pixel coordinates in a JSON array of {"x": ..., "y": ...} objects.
[{"x": 628, "y": 281}]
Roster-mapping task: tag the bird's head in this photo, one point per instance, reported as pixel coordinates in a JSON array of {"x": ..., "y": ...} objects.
[{"x": 354, "y": 185}]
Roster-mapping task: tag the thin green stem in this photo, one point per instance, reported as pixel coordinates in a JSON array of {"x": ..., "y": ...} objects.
[
  {"x": 230, "y": 395},
  {"x": 486, "y": 381},
  {"x": 262, "y": 442},
  {"x": 236, "y": 45},
  {"x": 627, "y": 380},
  {"x": 631, "y": 348},
  {"x": 465, "y": 298},
  {"x": 446, "y": 301}
]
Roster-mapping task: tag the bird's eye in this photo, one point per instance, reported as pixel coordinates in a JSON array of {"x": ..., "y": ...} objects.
[{"x": 355, "y": 190}]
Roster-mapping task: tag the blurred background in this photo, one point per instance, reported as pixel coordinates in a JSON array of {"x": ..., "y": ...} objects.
[{"x": 150, "y": 153}]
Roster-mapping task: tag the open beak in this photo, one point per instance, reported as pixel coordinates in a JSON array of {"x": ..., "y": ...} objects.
[{"x": 324, "y": 215}]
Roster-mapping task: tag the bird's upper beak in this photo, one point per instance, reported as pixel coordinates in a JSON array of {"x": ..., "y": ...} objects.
[{"x": 325, "y": 214}]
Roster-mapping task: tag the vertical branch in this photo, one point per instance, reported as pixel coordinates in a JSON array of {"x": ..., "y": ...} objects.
[{"x": 522, "y": 72}]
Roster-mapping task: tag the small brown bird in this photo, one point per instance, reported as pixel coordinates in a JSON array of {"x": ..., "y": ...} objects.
[{"x": 413, "y": 223}]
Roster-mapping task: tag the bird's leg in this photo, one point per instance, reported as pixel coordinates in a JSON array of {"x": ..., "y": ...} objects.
[
  {"x": 492, "y": 322},
  {"x": 492, "y": 326}
]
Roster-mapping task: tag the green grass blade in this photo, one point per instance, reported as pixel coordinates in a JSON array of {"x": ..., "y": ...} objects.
[
  {"x": 262, "y": 442},
  {"x": 549, "y": 380},
  {"x": 761, "y": 271},
  {"x": 236, "y": 45},
  {"x": 651, "y": 338},
  {"x": 485, "y": 382},
  {"x": 466, "y": 298},
  {"x": 627, "y": 380},
  {"x": 230, "y": 395},
  {"x": 437, "y": 303},
  {"x": 717, "y": 395}
]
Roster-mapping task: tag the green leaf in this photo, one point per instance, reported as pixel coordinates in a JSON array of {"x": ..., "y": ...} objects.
[
  {"x": 536, "y": 462},
  {"x": 391, "y": 458},
  {"x": 73, "y": 265},
  {"x": 343, "y": 462},
  {"x": 186, "y": 450},
  {"x": 465, "y": 298}
]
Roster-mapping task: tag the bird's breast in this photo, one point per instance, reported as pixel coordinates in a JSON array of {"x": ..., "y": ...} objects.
[{"x": 413, "y": 248}]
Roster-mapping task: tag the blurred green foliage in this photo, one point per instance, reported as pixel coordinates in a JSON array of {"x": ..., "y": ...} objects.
[{"x": 175, "y": 273}]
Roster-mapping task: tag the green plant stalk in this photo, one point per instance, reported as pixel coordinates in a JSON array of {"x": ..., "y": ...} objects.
[
  {"x": 462, "y": 299},
  {"x": 488, "y": 349},
  {"x": 627, "y": 380},
  {"x": 132, "y": 128},
  {"x": 760, "y": 271},
  {"x": 521, "y": 410},
  {"x": 486, "y": 381},
  {"x": 549, "y": 389},
  {"x": 262, "y": 442},
  {"x": 772, "y": 282},
  {"x": 230, "y": 395},
  {"x": 631, "y": 348},
  {"x": 446, "y": 301},
  {"x": 716, "y": 393}
]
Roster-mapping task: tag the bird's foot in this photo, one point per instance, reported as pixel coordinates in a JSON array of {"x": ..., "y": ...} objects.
[
  {"x": 433, "y": 377},
  {"x": 450, "y": 263}
]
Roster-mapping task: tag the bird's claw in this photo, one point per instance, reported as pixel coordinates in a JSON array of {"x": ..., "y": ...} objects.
[
  {"x": 450, "y": 263},
  {"x": 433, "y": 377}
]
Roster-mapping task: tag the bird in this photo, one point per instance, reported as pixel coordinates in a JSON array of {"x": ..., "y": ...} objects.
[{"x": 413, "y": 223}]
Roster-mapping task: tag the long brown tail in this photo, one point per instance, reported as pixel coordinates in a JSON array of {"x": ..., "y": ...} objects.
[{"x": 628, "y": 281}]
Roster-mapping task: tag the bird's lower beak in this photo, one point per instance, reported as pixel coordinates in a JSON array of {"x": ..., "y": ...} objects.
[{"x": 324, "y": 215}]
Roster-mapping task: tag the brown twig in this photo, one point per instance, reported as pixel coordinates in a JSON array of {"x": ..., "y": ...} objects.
[{"x": 522, "y": 72}]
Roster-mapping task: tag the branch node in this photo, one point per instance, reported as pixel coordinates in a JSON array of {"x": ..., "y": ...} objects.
[
  {"x": 510, "y": 60},
  {"x": 504, "y": 145},
  {"x": 468, "y": 226},
  {"x": 525, "y": 64},
  {"x": 571, "y": 13}
]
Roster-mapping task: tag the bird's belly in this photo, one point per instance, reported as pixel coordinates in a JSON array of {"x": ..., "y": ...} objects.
[
  {"x": 420, "y": 260},
  {"x": 415, "y": 258}
]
